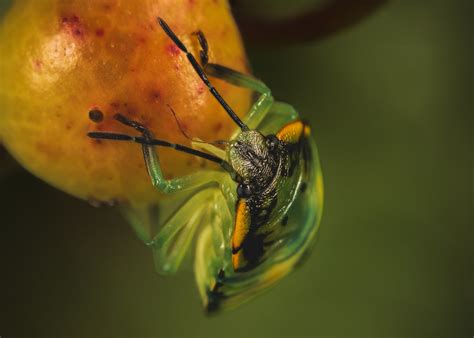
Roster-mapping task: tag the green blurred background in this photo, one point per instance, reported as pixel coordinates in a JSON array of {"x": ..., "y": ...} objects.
[{"x": 390, "y": 101}]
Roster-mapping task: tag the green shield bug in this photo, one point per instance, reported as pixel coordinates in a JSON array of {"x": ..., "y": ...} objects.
[{"x": 256, "y": 216}]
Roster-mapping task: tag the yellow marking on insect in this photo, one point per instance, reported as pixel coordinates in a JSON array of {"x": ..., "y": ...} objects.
[
  {"x": 291, "y": 133},
  {"x": 277, "y": 272},
  {"x": 242, "y": 224},
  {"x": 307, "y": 130},
  {"x": 320, "y": 189}
]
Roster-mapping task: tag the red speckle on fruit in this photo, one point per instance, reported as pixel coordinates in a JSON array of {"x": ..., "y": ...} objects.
[
  {"x": 218, "y": 127},
  {"x": 72, "y": 25},
  {"x": 112, "y": 56},
  {"x": 154, "y": 96},
  {"x": 172, "y": 49},
  {"x": 70, "y": 19},
  {"x": 200, "y": 89},
  {"x": 107, "y": 7},
  {"x": 115, "y": 105},
  {"x": 38, "y": 65}
]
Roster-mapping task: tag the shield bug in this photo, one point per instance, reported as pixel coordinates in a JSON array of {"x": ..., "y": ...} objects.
[{"x": 257, "y": 214}]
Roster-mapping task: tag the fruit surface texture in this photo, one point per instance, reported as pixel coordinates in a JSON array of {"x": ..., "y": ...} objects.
[{"x": 62, "y": 59}]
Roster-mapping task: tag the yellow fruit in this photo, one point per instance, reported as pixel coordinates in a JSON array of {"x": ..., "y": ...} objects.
[{"x": 60, "y": 59}]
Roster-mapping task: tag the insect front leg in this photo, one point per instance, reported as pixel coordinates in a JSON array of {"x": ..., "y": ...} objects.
[
  {"x": 176, "y": 184},
  {"x": 279, "y": 114},
  {"x": 152, "y": 161},
  {"x": 168, "y": 227}
]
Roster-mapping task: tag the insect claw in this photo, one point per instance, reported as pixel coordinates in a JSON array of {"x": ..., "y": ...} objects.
[
  {"x": 135, "y": 125},
  {"x": 150, "y": 243}
]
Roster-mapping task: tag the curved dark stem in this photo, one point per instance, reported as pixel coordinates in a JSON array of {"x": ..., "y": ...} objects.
[{"x": 314, "y": 24}]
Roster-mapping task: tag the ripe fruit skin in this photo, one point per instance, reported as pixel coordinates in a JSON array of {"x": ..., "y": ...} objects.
[{"x": 62, "y": 59}]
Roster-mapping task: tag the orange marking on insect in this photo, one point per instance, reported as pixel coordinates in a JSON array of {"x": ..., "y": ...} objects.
[
  {"x": 291, "y": 133},
  {"x": 238, "y": 261},
  {"x": 242, "y": 225}
]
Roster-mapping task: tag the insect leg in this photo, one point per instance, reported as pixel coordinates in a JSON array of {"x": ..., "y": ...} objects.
[
  {"x": 173, "y": 240},
  {"x": 208, "y": 147},
  {"x": 204, "y": 53},
  {"x": 168, "y": 228},
  {"x": 260, "y": 108},
  {"x": 264, "y": 102},
  {"x": 227, "y": 74},
  {"x": 281, "y": 113},
  {"x": 153, "y": 164},
  {"x": 213, "y": 253},
  {"x": 285, "y": 110}
]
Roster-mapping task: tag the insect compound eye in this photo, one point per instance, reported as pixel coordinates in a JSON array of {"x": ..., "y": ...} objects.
[
  {"x": 272, "y": 142},
  {"x": 244, "y": 190}
]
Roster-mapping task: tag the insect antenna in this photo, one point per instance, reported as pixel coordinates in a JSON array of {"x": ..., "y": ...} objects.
[
  {"x": 202, "y": 74},
  {"x": 148, "y": 139}
]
